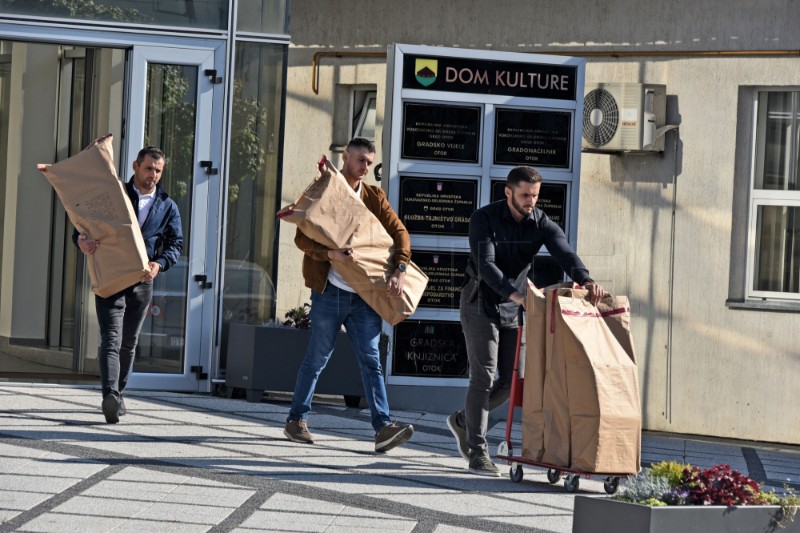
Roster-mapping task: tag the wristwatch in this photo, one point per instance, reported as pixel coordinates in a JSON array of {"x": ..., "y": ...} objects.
[{"x": 401, "y": 267}]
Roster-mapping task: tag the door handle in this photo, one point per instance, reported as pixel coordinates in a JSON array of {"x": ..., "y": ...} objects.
[
  {"x": 202, "y": 280},
  {"x": 209, "y": 167}
]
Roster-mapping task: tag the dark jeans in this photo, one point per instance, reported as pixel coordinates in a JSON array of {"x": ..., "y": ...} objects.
[
  {"x": 490, "y": 351},
  {"x": 120, "y": 317}
]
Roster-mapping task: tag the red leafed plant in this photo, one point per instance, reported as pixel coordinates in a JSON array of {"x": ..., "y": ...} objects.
[{"x": 719, "y": 485}]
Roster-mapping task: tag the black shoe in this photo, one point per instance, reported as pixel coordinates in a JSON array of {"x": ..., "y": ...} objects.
[
  {"x": 111, "y": 408},
  {"x": 481, "y": 464},
  {"x": 460, "y": 433},
  {"x": 121, "y": 411}
]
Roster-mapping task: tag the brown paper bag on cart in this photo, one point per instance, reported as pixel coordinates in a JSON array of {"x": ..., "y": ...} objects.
[
  {"x": 616, "y": 311},
  {"x": 535, "y": 366},
  {"x": 533, "y": 384},
  {"x": 588, "y": 367},
  {"x": 97, "y": 204},
  {"x": 330, "y": 212},
  {"x": 555, "y": 401}
]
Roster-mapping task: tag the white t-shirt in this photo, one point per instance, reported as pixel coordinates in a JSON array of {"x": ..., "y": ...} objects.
[
  {"x": 333, "y": 276},
  {"x": 145, "y": 203}
]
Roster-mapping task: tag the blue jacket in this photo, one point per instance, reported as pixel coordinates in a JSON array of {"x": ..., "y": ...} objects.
[{"x": 162, "y": 230}]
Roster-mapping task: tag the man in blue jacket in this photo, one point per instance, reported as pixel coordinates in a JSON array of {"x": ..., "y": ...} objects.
[{"x": 121, "y": 315}]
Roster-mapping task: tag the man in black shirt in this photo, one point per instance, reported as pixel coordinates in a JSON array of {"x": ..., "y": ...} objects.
[{"x": 504, "y": 237}]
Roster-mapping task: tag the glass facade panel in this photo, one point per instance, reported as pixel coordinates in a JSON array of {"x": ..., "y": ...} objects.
[
  {"x": 207, "y": 14},
  {"x": 248, "y": 293},
  {"x": 61, "y": 97},
  {"x": 263, "y": 16},
  {"x": 170, "y": 124}
]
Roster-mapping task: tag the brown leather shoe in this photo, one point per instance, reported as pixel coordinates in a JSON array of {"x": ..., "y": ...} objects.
[
  {"x": 391, "y": 436},
  {"x": 297, "y": 431}
]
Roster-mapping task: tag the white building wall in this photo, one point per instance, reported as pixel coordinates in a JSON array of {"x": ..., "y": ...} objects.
[{"x": 704, "y": 368}]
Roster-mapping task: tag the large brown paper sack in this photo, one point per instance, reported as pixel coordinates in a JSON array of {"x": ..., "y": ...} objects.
[
  {"x": 533, "y": 384},
  {"x": 535, "y": 366},
  {"x": 331, "y": 213},
  {"x": 601, "y": 382},
  {"x": 555, "y": 401},
  {"x": 616, "y": 311},
  {"x": 96, "y": 203}
]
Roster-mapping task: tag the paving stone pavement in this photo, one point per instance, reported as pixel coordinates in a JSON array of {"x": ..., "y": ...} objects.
[{"x": 192, "y": 462}]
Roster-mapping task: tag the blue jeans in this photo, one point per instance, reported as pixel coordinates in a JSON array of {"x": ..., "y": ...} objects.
[
  {"x": 120, "y": 318},
  {"x": 329, "y": 311}
]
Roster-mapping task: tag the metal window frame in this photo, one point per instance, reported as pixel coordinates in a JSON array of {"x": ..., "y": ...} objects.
[{"x": 764, "y": 197}]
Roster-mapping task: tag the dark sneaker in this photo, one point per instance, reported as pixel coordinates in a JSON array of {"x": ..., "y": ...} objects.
[
  {"x": 111, "y": 408},
  {"x": 121, "y": 411},
  {"x": 297, "y": 431},
  {"x": 391, "y": 436},
  {"x": 481, "y": 464},
  {"x": 460, "y": 433}
]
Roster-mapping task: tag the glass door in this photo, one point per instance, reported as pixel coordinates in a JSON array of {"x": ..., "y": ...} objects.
[{"x": 170, "y": 106}]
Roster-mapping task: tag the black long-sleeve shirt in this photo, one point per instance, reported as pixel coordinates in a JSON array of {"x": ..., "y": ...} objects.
[{"x": 501, "y": 248}]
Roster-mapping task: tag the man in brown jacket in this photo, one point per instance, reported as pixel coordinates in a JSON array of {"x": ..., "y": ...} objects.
[{"x": 334, "y": 302}]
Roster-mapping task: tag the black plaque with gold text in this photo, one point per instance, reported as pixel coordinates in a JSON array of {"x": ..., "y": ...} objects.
[
  {"x": 429, "y": 349},
  {"x": 533, "y": 137},
  {"x": 445, "y": 272},
  {"x": 437, "y": 206},
  {"x": 440, "y": 132},
  {"x": 486, "y": 76},
  {"x": 552, "y": 200}
]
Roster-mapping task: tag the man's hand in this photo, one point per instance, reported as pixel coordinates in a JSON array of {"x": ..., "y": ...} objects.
[
  {"x": 596, "y": 292},
  {"x": 345, "y": 255},
  {"x": 394, "y": 288},
  {"x": 517, "y": 298},
  {"x": 87, "y": 244},
  {"x": 155, "y": 268}
]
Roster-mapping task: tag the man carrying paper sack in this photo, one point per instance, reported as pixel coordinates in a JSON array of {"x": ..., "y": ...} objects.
[
  {"x": 120, "y": 316},
  {"x": 334, "y": 302},
  {"x": 504, "y": 237}
]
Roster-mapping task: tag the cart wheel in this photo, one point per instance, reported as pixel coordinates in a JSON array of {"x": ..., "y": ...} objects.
[
  {"x": 502, "y": 448},
  {"x": 571, "y": 482},
  {"x": 515, "y": 472},
  {"x": 611, "y": 484},
  {"x": 553, "y": 475}
]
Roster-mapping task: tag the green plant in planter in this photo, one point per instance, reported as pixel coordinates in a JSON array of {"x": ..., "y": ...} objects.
[
  {"x": 298, "y": 317},
  {"x": 672, "y": 471},
  {"x": 670, "y": 483}
]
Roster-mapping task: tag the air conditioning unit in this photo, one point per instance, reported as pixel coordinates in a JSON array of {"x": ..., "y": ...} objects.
[{"x": 624, "y": 117}]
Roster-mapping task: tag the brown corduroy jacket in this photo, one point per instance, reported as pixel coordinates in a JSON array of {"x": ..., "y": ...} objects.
[{"x": 315, "y": 261}]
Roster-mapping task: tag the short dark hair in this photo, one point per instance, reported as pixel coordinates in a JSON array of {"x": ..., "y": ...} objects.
[
  {"x": 360, "y": 142},
  {"x": 523, "y": 174},
  {"x": 153, "y": 152}
]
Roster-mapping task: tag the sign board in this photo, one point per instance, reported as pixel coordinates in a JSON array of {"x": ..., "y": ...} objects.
[
  {"x": 437, "y": 206},
  {"x": 429, "y": 348},
  {"x": 446, "y": 276},
  {"x": 456, "y": 122},
  {"x": 535, "y": 138},
  {"x": 441, "y": 132}
]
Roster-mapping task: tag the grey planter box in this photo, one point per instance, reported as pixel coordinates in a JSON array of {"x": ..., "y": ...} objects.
[
  {"x": 262, "y": 358},
  {"x": 594, "y": 514}
]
